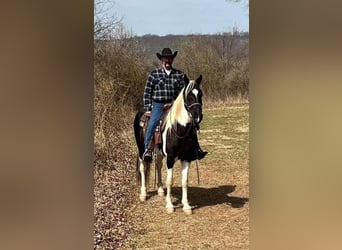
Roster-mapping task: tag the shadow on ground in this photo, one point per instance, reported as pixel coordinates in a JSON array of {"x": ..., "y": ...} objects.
[{"x": 203, "y": 197}]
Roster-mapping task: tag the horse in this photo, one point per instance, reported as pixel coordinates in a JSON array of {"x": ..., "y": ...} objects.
[{"x": 178, "y": 142}]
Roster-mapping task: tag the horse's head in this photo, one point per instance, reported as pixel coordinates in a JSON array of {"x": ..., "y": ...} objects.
[{"x": 193, "y": 100}]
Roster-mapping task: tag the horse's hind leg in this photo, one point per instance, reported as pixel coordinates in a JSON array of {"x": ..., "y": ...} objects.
[
  {"x": 185, "y": 171},
  {"x": 142, "y": 180},
  {"x": 159, "y": 164}
]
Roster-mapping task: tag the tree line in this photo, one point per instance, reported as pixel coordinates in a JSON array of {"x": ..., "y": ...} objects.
[{"x": 124, "y": 61}]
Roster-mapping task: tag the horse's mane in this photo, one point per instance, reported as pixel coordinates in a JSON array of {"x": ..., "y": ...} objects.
[{"x": 178, "y": 114}]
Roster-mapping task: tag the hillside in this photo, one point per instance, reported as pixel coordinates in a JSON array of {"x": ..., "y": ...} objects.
[{"x": 153, "y": 43}]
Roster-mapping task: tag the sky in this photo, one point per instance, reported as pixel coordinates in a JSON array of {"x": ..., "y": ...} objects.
[{"x": 180, "y": 17}]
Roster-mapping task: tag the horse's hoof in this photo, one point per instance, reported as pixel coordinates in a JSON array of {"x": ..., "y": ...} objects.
[
  {"x": 142, "y": 198},
  {"x": 161, "y": 193},
  {"x": 187, "y": 211},
  {"x": 170, "y": 210}
]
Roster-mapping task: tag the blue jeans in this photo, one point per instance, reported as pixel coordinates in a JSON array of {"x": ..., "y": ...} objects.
[{"x": 156, "y": 113}]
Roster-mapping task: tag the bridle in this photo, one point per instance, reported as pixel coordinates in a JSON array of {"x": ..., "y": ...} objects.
[{"x": 187, "y": 107}]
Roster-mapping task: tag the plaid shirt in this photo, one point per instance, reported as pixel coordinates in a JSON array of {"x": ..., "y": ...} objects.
[{"x": 161, "y": 87}]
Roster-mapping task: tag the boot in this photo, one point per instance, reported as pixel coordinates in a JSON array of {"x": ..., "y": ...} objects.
[
  {"x": 148, "y": 154},
  {"x": 201, "y": 154}
]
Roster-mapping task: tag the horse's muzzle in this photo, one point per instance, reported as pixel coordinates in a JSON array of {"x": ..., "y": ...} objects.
[{"x": 198, "y": 118}]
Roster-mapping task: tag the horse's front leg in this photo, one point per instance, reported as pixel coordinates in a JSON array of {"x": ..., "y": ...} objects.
[
  {"x": 169, "y": 180},
  {"x": 142, "y": 180},
  {"x": 159, "y": 164},
  {"x": 185, "y": 171}
]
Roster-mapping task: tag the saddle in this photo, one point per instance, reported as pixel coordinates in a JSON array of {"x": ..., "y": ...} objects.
[{"x": 144, "y": 119}]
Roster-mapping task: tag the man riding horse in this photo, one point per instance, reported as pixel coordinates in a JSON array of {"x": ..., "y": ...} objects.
[{"x": 162, "y": 86}]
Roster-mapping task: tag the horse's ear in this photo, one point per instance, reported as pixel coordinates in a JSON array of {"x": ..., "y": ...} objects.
[
  {"x": 186, "y": 79},
  {"x": 199, "y": 79}
]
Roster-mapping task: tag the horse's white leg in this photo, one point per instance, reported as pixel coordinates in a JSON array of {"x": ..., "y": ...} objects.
[
  {"x": 159, "y": 164},
  {"x": 143, "y": 180},
  {"x": 169, "y": 177},
  {"x": 185, "y": 171}
]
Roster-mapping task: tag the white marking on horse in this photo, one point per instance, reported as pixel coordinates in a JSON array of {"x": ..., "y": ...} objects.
[
  {"x": 195, "y": 92},
  {"x": 164, "y": 141},
  {"x": 143, "y": 181},
  {"x": 185, "y": 171},
  {"x": 189, "y": 87},
  {"x": 169, "y": 177}
]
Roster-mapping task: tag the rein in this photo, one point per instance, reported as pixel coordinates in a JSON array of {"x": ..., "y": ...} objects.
[{"x": 187, "y": 132}]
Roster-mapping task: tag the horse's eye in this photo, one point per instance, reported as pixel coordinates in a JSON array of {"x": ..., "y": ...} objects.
[{"x": 192, "y": 98}]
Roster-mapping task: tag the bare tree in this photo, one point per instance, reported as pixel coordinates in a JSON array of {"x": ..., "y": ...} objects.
[{"x": 104, "y": 22}]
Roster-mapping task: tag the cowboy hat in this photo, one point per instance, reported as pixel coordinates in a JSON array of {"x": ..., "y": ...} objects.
[{"x": 166, "y": 52}]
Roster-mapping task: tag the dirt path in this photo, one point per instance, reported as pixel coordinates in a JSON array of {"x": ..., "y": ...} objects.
[{"x": 220, "y": 218}]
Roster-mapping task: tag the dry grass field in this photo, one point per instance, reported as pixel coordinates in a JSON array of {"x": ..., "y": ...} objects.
[{"x": 220, "y": 202}]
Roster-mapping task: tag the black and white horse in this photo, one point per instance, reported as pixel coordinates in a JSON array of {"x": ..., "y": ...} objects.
[{"x": 179, "y": 142}]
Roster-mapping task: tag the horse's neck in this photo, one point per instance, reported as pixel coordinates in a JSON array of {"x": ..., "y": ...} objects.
[
  {"x": 180, "y": 115},
  {"x": 176, "y": 117}
]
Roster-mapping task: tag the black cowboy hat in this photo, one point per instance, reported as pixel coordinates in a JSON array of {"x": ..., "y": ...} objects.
[{"x": 166, "y": 52}]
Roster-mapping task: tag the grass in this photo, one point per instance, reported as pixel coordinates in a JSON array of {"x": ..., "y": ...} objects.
[{"x": 225, "y": 132}]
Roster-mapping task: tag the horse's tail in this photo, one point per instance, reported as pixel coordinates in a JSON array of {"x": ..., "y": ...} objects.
[
  {"x": 137, "y": 170},
  {"x": 139, "y": 134},
  {"x": 139, "y": 139}
]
